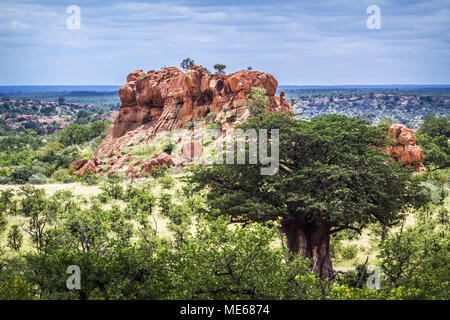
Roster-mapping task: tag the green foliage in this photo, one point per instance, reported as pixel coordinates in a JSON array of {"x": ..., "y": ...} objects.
[
  {"x": 328, "y": 173},
  {"x": 3, "y": 222},
  {"x": 113, "y": 188},
  {"x": 349, "y": 252},
  {"x": 433, "y": 136},
  {"x": 37, "y": 178},
  {"x": 15, "y": 238},
  {"x": 417, "y": 257},
  {"x": 187, "y": 63},
  {"x": 21, "y": 174},
  {"x": 35, "y": 206},
  {"x": 167, "y": 182},
  {"x": 89, "y": 178},
  {"x": 165, "y": 202},
  {"x": 169, "y": 147},
  {"x": 219, "y": 68},
  {"x": 121, "y": 256},
  {"x": 79, "y": 133},
  {"x": 158, "y": 172},
  {"x": 8, "y": 205},
  {"x": 357, "y": 277},
  {"x": 257, "y": 101}
]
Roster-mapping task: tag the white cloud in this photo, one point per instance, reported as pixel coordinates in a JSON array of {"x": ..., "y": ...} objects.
[{"x": 296, "y": 41}]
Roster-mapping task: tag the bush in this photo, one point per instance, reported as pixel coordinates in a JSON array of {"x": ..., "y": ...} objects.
[
  {"x": 418, "y": 256},
  {"x": 113, "y": 188},
  {"x": 15, "y": 238},
  {"x": 168, "y": 148},
  {"x": 21, "y": 174},
  {"x": 3, "y": 222},
  {"x": 37, "y": 178},
  {"x": 167, "y": 182},
  {"x": 67, "y": 178},
  {"x": 5, "y": 180},
  {"x": 349, "y": 253},
  {"x": 158, "y": 172},
  {"x": 351, "y": 278},
  {"x": 89, "y": 178}
]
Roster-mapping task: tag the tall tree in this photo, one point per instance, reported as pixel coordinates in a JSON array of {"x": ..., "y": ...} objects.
[{"x": 334, "y": 175}]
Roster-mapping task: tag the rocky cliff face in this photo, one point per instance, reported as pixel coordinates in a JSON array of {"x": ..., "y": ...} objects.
[
  {"x": 406, "y": 149},
  {"x": 159, "y": 101},
  {"x": 168, "y": 99}
]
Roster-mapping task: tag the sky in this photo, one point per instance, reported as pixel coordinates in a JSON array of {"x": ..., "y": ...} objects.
[{"x": 321, "y": 42}]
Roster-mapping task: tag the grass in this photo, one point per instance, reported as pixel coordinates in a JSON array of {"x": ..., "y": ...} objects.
[
  {"x": 80, "y": 191},
  {"x": 365, "y": 243}
]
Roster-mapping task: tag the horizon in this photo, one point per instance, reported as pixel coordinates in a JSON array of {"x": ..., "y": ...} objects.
[
  {"x": 300, "y": 43},
  {"x": 279, "y": 85}
]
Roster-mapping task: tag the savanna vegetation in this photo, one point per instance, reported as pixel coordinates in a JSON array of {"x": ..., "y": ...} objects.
[{"x": 339, "y": 220}]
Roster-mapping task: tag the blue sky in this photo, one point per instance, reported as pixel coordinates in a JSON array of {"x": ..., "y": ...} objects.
[{"x": 299, "y": 42}]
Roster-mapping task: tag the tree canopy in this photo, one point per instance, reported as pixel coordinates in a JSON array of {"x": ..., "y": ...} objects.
[
  {"x": 334, "y": 175},
  {"x": 433, "y": 136}
]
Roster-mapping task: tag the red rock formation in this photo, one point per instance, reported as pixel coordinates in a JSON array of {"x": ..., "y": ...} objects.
[
  {"x": 157, "y": 160},
  {"x": 93, "y": 165},
  {"x": 78, "y": 164},
  {"x": 406, "y": 149},
  {"x": 165, "y": 159},
  {"x": 148, "y": 166},
  {"x": 168, "y": 99}
]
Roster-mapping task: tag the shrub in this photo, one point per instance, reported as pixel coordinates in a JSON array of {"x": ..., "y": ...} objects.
[
  {"x": 5, "y": 180},
  {"x": 113, "y": 188},
  {"x": 168, "y": 148},
  {"x": 353, "y": 277},
  {"x": 89, "y": 178},
  {"x": 67, "y": 178},
  {"x": 349, "y": 252},
  {"x": 158, "y": 172},
  {"x": 15, "y": 237},
  {"x": 37, "y": 178},
  {"x": 167, "y": 182},
  {"x": 21, "y": 174}
]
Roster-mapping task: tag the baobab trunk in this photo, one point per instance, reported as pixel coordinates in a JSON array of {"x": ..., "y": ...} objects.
[{"x": 312, "y": 242}]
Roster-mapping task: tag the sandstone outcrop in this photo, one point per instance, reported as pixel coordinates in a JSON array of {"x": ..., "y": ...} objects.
[
  {"x": 406, "y": 149},
  {"x": 93, "y": 165},
  {"x": 168, "y": 99},
  {"x": 158, "y": 160}
]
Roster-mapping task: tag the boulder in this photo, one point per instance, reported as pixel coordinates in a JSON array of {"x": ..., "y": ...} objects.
[
  {"x": 78, "y": 164},
  {"x": 165, "y": 159},
  {"x": 405, "y": 150},
  {"x": 149, "y": 165},
  {"x": 402, "y": 134}
]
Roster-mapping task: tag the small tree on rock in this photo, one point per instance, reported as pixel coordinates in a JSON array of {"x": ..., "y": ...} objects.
[
  {"x": 220, "y": 68},
  {"x": 186, "y": 64}
]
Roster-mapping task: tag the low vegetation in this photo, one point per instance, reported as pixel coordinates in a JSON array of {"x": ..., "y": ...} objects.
[{"x": 227, "y": 232}]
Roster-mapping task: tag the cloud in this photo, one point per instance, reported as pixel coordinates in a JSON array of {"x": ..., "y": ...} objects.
[{"x": 300, "y": 42}]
